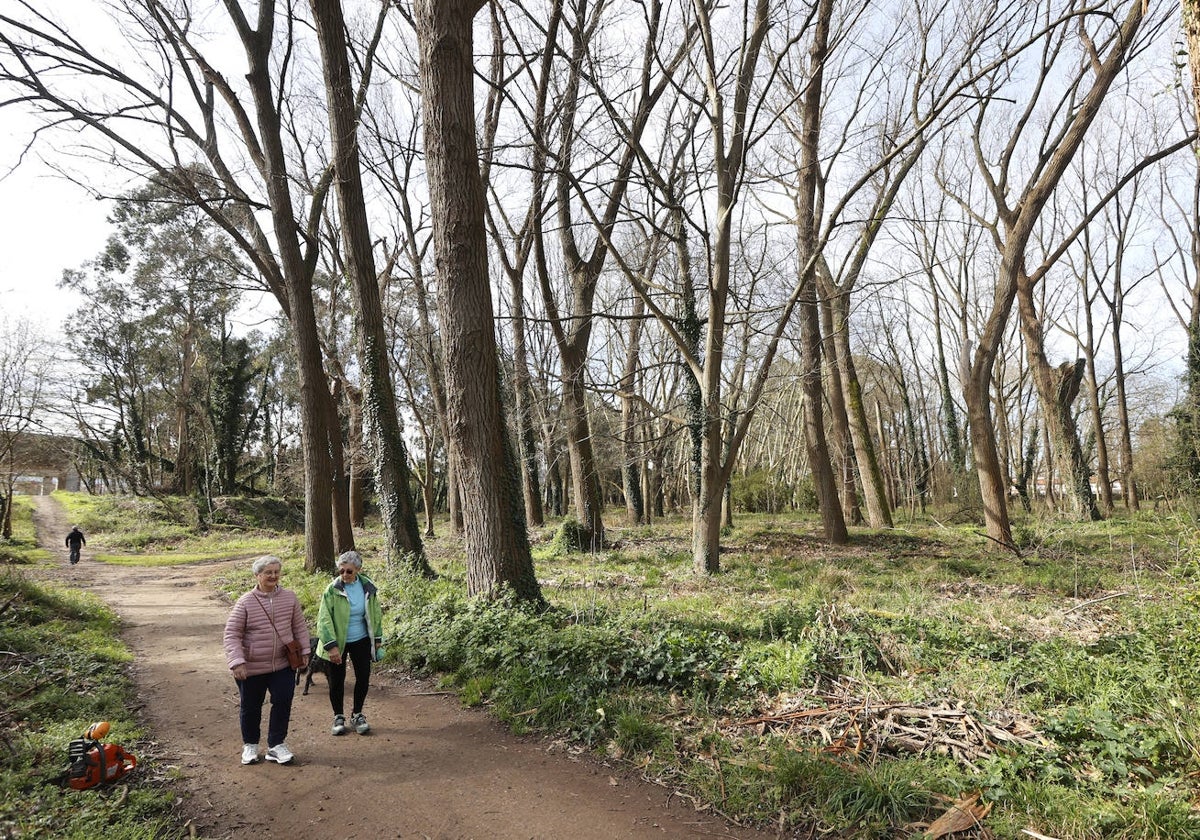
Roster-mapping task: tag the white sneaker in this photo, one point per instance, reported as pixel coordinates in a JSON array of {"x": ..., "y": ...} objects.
[
  {"x": 249, "y": 753},
  {"x": 339, "y": 725},
  {"x": 359, "y": 722},
  {"x": 280, "y": 754}
]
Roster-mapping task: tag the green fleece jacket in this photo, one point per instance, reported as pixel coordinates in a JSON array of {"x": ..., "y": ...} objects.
[{"x": 333, "y": 618}]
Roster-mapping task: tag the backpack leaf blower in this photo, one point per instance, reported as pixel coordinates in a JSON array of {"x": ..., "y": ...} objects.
[{"x": 92, "y": 763}]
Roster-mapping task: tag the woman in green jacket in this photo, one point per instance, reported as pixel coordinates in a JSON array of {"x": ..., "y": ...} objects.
[{"x": 350, "y": 625}]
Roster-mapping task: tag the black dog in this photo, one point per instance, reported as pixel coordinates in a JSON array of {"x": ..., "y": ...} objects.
[{"x": 316, "y": 665}]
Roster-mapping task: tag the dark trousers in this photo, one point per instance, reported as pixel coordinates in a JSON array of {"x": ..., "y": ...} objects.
[
  {"x": 359, "y": 654},
  {"x": 253, "y": 691}
]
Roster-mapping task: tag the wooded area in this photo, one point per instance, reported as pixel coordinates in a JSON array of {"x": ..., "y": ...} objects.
[{"x": 614, "y": 259}]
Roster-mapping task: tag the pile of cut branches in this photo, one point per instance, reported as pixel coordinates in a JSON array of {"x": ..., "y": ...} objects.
[{"x": 864, "y": 727}]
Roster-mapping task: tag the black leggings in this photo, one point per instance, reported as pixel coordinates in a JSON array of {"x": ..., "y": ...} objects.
[{"x": 359, "y": 654}]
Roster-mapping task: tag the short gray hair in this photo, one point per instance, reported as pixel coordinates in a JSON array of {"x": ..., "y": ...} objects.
[
  {"x": 351, "y": 558},
  {"x": 264, "y": 561}
]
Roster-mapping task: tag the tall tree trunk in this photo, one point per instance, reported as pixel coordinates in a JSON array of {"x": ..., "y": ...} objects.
[
  {"x": 992, "y": 490},
  {"x": 707, "y": 496},
  {"x": 955, "y": 454},
  {"x": 297, "y": 300},
  {"x": 1103, "y": 475},
  {"x": 531, "y": 486},
  {"x": 1019, "y": 214},
  {"x": 1129, "y": 490},
  {"x": 631, "y": 449},
  {"x": 808, "y": 256},
  {"x": 431, "y": 353},
  {"x": 184, "y": 467},
  {"x": 874, "y": 490},
  {"x": 358, "y": 465},
  {"x": 841, "y": 451},
  {"x": 381, "y": 421},
  {"x": 428, "y": 496},
  {"x": 572, "y": 333},
  {"x": 495, "y": 537},
  {"x": 727, "y": 457},
  {"x": 690, "y": 331},
  {"x": 1057, "y": 389},
  {"x": 343, "y": 531},
  {"x": 585, "y": 476},
  {"x": 555, "y": 490},
  {"x": 319, "y": 552},
  {"x": 6, "y": 503},
  {"x": 649, "y": 466},
  {"x": 889, "y": 468},
  {"x": 832, "y": 520}
]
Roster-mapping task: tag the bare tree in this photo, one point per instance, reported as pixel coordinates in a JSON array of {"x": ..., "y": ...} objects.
[
  {"x": 1002, "y": 149},
  {"x": 163, "y": 101},
  {"x": 380, "y": 419},
  {"x": 391, "y": 136},
  {"x": 946, "y": 250},
  {"x": 807, "y": 202},
  {"x": 731, "y": 130},
  {"x": 497, "y": 544},
  {"x": 508, "y": 233},
  {"x": 571, "y": 320},
  {"x": 26, "y": 362},
  {"x": 1108, "y": 275}
]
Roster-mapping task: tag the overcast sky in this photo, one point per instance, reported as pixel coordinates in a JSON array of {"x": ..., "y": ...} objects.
[{"x": 47, "y": 224}]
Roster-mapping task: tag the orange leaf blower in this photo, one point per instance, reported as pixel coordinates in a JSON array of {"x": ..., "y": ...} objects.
[{"x": 93, "y": 763}]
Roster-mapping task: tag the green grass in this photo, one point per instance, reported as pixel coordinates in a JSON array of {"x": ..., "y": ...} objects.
[
  {"x": 926, "y": 616},
  {"x": 22, "y": 548},
  {"x": 130, "y": 531},
  {"x": 65, "y": 668},
  {"x": 764, "y": 689}
]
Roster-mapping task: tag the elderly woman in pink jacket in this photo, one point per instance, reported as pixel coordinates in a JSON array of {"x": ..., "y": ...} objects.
[{"x": 261, "y": 623}]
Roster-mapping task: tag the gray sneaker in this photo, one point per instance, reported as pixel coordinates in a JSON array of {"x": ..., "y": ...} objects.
[
  {"x": 339, "y": 725},
  {"x": 359, "y": 722},
  {"x": 280, "y": 754}
]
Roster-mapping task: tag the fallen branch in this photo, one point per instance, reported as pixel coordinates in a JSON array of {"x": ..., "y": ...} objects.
[{"x": 1096, "y": 601}]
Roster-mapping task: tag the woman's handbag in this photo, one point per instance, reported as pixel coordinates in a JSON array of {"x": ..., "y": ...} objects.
[{"x": 295, "y": 657}]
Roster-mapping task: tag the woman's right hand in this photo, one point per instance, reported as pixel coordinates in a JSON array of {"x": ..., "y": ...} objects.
[
  {"x": 335, "y": 656},
  {"x": 239, "y": 671}
]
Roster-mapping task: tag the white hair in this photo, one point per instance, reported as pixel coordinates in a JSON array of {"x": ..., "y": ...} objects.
[
  {"x": 351, "y": 558},
  {"x": 264, "y": 561}
]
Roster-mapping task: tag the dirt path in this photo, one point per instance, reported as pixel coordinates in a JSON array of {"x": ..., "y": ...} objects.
[{"x": 429, "y": 769}]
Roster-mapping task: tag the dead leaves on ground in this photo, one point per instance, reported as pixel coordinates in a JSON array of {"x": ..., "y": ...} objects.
[{"x": 963, "y": 815}]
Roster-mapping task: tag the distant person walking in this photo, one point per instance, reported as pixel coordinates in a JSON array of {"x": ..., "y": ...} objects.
[
  {"x": 75, "y": 542},
  {"x": 350, "y": 624},
  {"x": 260, "y": 624}
]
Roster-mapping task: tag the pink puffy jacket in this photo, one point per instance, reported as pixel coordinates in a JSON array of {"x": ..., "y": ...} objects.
[{"x": 250, "y": 638}]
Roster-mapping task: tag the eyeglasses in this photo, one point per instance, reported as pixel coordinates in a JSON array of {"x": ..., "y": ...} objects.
[{"x": 347, "y": 571}]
